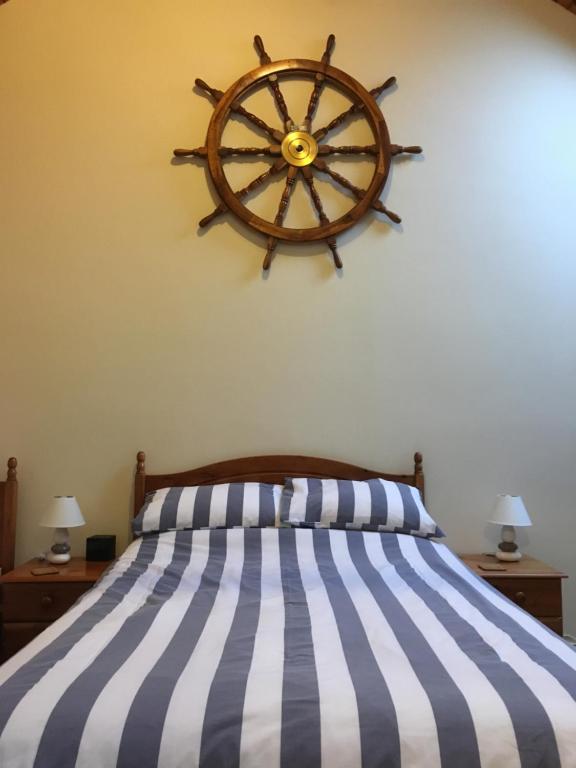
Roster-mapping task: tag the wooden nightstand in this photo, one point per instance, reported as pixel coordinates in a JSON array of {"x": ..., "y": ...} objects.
[
  {"x": 31, "y": 603},
  {"x": 530, "y": 583}
]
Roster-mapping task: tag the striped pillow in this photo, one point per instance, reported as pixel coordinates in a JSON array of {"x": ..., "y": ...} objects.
[
  {"x": 228, "y": 505},
  {"x": 371, "y": 505}
]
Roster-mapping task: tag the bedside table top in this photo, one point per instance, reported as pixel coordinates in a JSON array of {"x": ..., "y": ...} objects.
[
  {"x": 526, "y": 568},
  {"x": 77, "y": 570}
]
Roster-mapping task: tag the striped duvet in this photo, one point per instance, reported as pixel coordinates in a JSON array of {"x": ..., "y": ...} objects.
[{"x": 291, "y": 648}]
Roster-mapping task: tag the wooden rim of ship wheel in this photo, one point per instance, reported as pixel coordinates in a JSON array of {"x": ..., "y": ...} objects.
[{"x": 296, "y": 149}]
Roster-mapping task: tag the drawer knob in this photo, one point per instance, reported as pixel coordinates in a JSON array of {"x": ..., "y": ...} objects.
[
  {"x": 47, "y": 600},
  {"x": 520, "y": 598}
]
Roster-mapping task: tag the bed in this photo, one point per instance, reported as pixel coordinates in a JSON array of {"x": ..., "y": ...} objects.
[{"x": 298, "y": 646}]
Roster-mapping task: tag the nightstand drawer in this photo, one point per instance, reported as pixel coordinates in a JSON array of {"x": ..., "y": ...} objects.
[
  {"x": 16, "y": 636},
  {"x": 540, "y": 597},
  {"x": 39, "y": 602},
  {"x": 556, "y": 624}
]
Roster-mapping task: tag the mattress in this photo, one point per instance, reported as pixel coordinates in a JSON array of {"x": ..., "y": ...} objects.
[{"x": 287, "y": 648}]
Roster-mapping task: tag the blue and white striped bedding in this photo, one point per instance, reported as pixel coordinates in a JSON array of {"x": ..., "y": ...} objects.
[
  {"x": 377, "y": 505},
  {"x": 290, "y": 648},
  {"x": 226, "y": 505}
]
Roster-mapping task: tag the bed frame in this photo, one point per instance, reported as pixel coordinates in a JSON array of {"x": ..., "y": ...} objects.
[
  {"x": 8, "y": 506},
  {"x": 264, "y": 469}
]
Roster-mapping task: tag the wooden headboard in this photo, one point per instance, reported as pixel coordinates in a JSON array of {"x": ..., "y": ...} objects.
[
  {"x": 264, "y": 469},
  {"x": 8, "y": 507}
]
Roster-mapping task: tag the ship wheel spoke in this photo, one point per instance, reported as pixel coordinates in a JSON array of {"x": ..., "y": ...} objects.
[
  {"x": 331, "y": 241},
  {"x": 358, "y": 193},
  {"x": 319, "y": 82},
  {"x": 273, "y": 84},
  {"x": 353, "y": 149},
  {"x": 282, "y": 208},
  {"x": 396, "y": 149},
  {"x": 202, "y": 152},
  {"x": 352, "y": 110},
  {"x": 273, "y": 150},
  {"x": 238, "y": 109},
  {"x": 221, "y": 208}
]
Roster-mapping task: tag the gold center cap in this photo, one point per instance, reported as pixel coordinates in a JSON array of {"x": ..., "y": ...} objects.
[{"x": 299, "y": 148}]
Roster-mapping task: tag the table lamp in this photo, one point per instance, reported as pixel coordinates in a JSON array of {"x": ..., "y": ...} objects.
[
  {"x": 62, "y": 513},
  {"x": 510, "y": 513}
]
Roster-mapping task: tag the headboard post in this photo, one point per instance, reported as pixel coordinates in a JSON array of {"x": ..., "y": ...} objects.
[
  {"x": 418, "y": 473},
  {"x": 8, "y": 517},
  {"x": 139, "y": 482}
]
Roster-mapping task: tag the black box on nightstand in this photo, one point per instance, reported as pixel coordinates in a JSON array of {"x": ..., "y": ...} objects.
[{"x": 100, "y": 547}]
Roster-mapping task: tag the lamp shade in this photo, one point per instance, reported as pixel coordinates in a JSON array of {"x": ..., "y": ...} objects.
[
  {"x": 510, "y": 510},
  {"x": 63, "y": 512}
]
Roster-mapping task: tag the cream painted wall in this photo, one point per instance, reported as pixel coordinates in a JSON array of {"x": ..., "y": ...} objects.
[{"x": 123, "y": 329}]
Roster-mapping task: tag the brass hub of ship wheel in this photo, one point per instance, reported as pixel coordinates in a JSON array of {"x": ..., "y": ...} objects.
[{"x": 299, "y": 148}]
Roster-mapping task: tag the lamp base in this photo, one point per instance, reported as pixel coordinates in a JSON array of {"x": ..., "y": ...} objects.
[
  {"x": 508, "y": 549},
  {"x": 59, "y": 552},
  {"x": 57, "y": 559},
  {"x": 508, "y": 557}
]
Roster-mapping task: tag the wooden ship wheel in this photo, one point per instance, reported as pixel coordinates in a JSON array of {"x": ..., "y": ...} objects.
[{"x": 297, "y": 149}]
